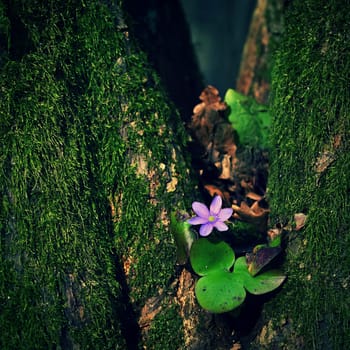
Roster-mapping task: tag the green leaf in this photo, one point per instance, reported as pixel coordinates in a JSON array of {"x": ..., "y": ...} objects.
[
  {"x": 276, "y": 242},
  {"x": 220, "y": 291},
  {"x": 183, "y": 235},
  {"x": 251, "y": 120},
  {"x": 238, "y": 103},
  {"x": 261, "y": 284},
  {"x": 207, "y": 256},
  {"x": 241, "y": 265}
]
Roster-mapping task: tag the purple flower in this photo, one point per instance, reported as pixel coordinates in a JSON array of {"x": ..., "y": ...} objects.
[{"x": 210, "y": 218}]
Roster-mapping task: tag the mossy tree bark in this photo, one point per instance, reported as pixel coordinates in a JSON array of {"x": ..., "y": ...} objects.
[
  {"x": 91, "y": 168},
  {"x": 309, "y": 170}
]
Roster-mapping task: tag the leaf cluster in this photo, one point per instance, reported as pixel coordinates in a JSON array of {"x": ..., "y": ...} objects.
[
  {"x": 219, "y": 289},
  {"x": 251, "y": 120}
]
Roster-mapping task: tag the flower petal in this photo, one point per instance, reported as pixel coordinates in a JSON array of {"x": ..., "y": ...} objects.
[
  {"x": 197, "y": 220},
  {"x": 215, "y": 205},
  {"x": 220, "y": 226},
  {"x": 206, "y": 229},
  {"x": 225, "y": 214},
  {"x": 200, "y": 209}
]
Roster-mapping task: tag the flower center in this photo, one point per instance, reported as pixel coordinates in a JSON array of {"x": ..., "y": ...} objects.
[{"x": 211, "y": 218}]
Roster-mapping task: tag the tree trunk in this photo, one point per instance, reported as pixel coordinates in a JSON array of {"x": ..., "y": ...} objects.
[
  {"x": 264, "y": 35},
  {"x": 92, "y": 167},
  {"x": 309, "y": 171}
]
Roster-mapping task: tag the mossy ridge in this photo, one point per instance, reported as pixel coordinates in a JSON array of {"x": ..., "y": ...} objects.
[
  {"x": 165, "y": 331},
  {"x": 56, "y": 225},
  {"x": 63, "y": 155},
  {"x": 311, "y": 108}
]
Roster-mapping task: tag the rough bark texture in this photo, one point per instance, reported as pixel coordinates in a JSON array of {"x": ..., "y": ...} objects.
[{"x": 266, "y": 27}]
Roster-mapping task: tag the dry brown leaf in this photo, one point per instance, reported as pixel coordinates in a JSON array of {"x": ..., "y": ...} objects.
[
  {"x": 247, "y": 184},
  {"x": 199, "y": 108},
  {"x": 237, "y": 177},
  {"x": 254, "y": 196},
  {"x": 225, "y": 138},
  {"x": 206, "y": 116},
  {"x": 226, "y": 168},
  {"x": 214, "y": 190},
  {"x": 236, "y": 346},
  {"x": 210, "y": 96},
  {"x": 258, "y": 210},
  {"x": 254, "y": 214}
]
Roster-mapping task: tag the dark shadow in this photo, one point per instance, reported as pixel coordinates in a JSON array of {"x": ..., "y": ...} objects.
[
  {"x": 219, "y": 31},
  {"x": 162, "y": 31},
  {"x": 122, "y": 306},
  {"x": 124, "y": 311},
  {"x": 19, "y": 41}
]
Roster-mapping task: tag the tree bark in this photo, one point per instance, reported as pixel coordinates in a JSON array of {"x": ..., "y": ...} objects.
[
  {"x": 264, "y": 35},
  {"x": 92, "y": 167},
  {"x": 293, "y": 57}
]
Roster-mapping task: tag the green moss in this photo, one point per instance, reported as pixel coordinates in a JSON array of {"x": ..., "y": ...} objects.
[
  {"x": 78, "y": 104},
  {"x": 166, "y": 332},
  {"x": 311, "y": 109}
]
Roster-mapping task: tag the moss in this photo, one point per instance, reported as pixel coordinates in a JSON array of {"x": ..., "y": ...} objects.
[
  {"x": 311, "y": 108},
  {"x": 166, "y": 331},
  {"x": 78, "y": 105}
]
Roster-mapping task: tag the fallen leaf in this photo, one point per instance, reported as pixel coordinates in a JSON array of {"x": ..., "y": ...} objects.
[
  {"x": 236, "y": 346},
  {"x": 210, "y": 97},
  {"x": 206, "y": 116},
  {"x": 226, "y": 167},
  {"x": 225, "y": 138},
  {"x": 214, "y": 190},
  {"x": 254, "y": 214},
  {"x": 247, "y": 184},
  {"x": 255, "y": 211},
  {"x": 239, "y": 176},
  {"x": 254, "y": 196},
  {"x": 324, "y": 160}
]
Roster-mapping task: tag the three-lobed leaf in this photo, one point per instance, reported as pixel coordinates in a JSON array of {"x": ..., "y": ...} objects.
[{"x": 220, "y": 290}]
